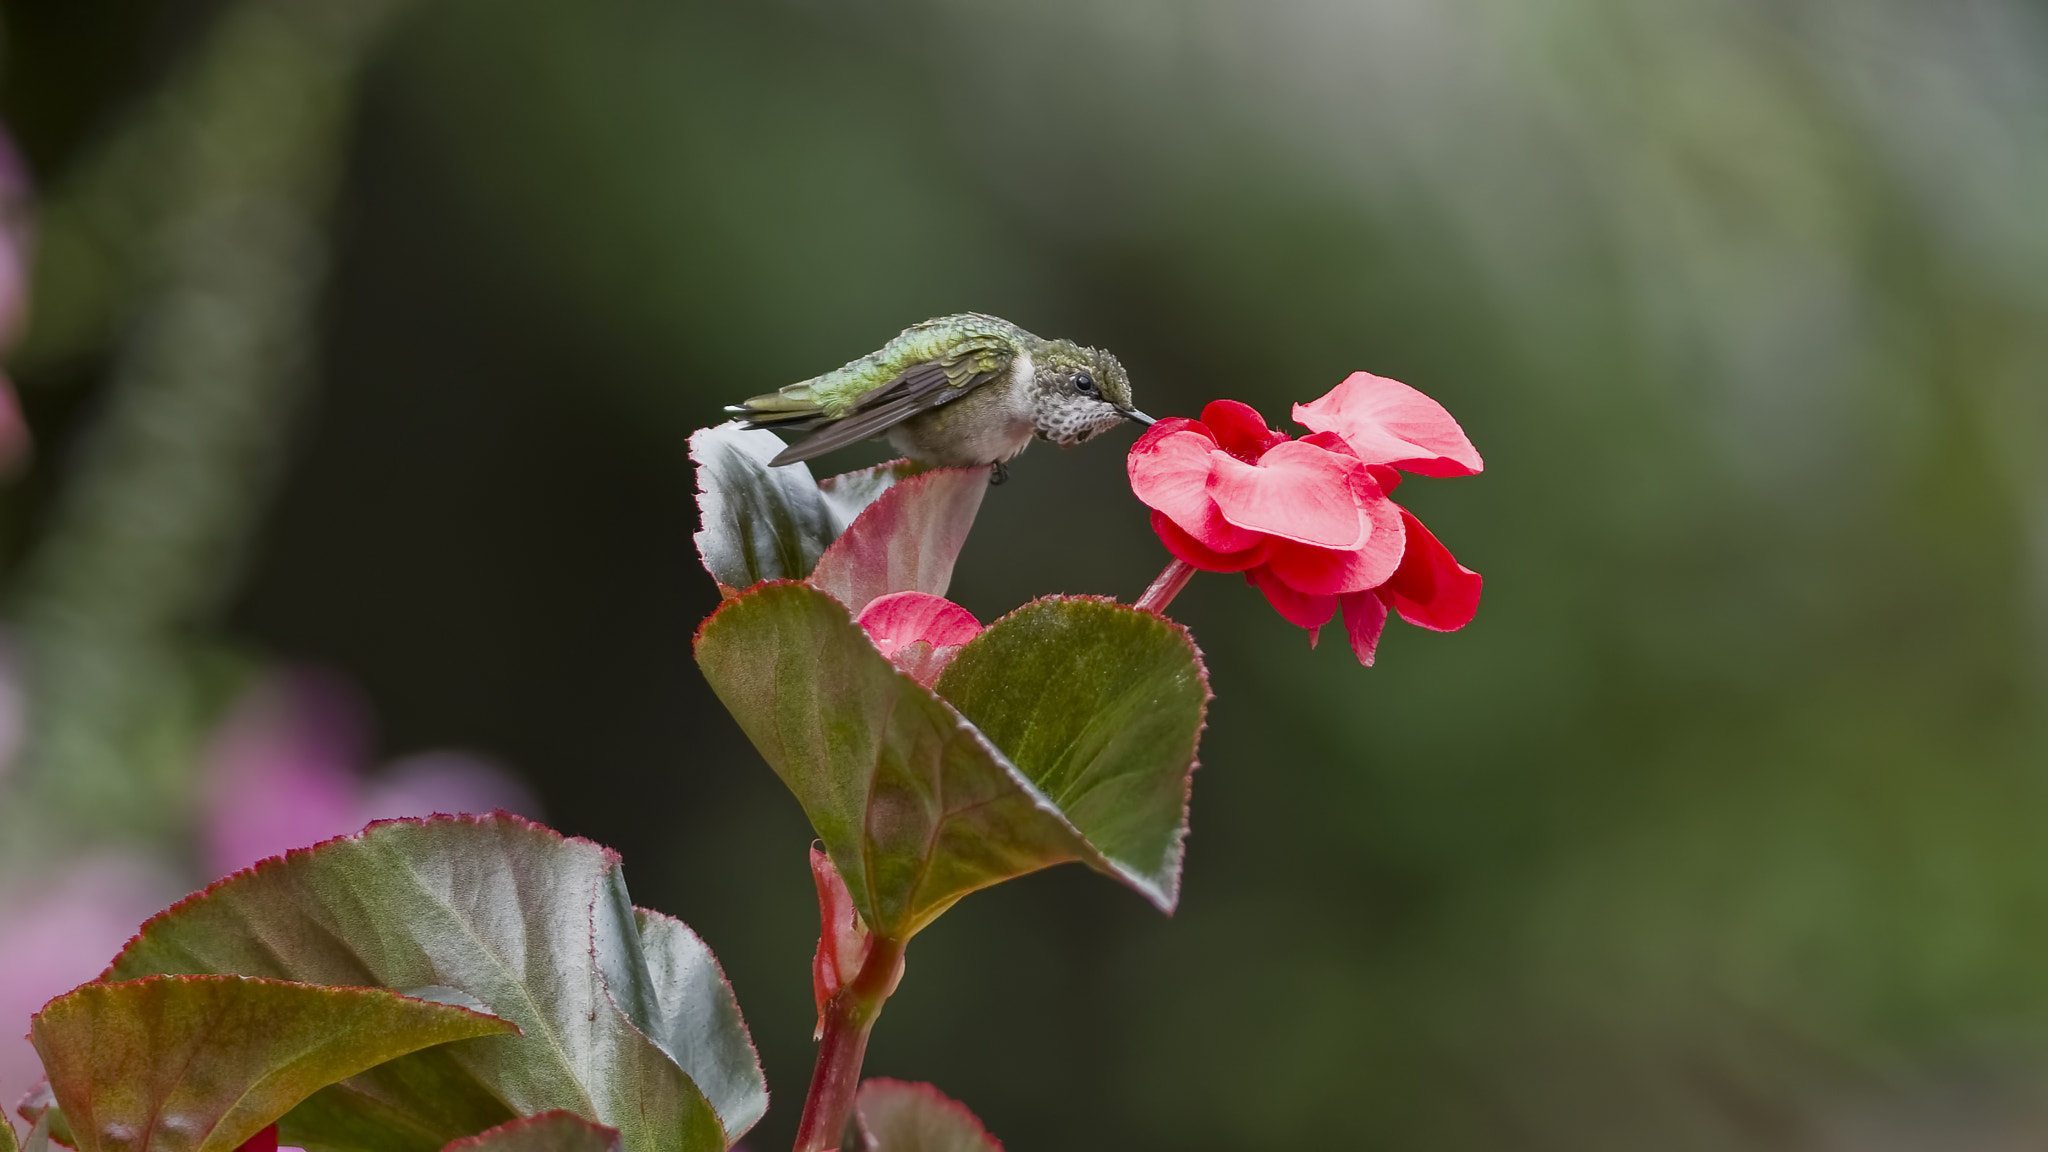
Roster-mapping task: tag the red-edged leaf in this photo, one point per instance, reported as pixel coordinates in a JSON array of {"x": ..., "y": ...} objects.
[
  {"x": 695, "y": 1018},
  {"x": 556, "y": 1131},
  {"x": 906, "y": 541},
  {"x": 625, "y": 1020},
  {"x": 1102, "y": 705},
  {"x": 915, "y": 807},
  {"x": 895, "y": 1116},
  {"x": 760, "y": 523},
  {"x": 206, "y": 1063}
]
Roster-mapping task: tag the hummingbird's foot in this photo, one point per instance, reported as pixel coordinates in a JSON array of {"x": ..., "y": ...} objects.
[{"x": 998, "y": 473}]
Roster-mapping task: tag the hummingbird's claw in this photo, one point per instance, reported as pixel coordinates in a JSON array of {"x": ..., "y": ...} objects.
[
  {"x": 999, "y": 473},
  {"x": 1140, "y": 417}
]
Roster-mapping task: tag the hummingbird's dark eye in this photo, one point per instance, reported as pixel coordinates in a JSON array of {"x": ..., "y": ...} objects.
[{"x": 1084, "y": 384}]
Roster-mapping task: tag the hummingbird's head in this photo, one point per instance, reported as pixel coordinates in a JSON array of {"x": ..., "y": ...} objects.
[{"x": 1078, "y": 392}]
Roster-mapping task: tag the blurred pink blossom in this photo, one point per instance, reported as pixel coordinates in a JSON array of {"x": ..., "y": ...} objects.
[{"x": 287, "y": 769}]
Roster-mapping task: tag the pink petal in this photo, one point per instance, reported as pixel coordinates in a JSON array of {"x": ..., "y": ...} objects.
[
  {"x": 906, "y": 541},
  {"x": 1296, "y": 491},
  {"x": 1240, "y": 430},
  {"x": 1365, "y": 614},
  {"x": 900, "y": 619},
  {"x": 1297, "y": 608},
  {"x": 282, "y": 770},
  {"x": 1201, "y": 555},
  {"x": 1330, "y": 572},
  {"x": 1171, "y": 474},
  {"x": 1431, "y": 589},
  {"x": 1387, "y": 422}
]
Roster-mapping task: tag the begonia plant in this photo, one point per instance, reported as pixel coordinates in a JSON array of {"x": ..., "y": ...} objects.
[{"x": 483, "y": 984}]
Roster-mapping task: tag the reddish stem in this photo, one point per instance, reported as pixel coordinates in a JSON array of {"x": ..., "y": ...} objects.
[
  {"x": 1171, "y": 580},
  {"x": 848, "y": 1020}
]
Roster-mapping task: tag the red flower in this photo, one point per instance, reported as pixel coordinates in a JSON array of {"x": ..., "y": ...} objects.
[{"x": 1308, "y": 521}]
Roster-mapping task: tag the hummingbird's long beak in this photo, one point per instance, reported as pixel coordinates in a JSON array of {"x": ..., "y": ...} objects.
[{"x": 1140, "y": 417}]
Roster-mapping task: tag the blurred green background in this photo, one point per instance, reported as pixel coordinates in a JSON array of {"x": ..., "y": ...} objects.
[{"x": 1724, "y": 826}]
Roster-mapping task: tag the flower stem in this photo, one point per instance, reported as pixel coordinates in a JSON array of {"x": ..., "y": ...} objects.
[
  {"x": 848, "y": 1020},
  {"x": 1171, "y": 580}
]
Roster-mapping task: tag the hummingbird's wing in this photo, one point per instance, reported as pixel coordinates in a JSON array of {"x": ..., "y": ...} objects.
[{"x": 918, "y": 388}]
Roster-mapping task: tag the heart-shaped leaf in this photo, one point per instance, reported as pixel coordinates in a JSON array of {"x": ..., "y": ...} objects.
[
  {"x": 761, "y": 523},
  {"x": 1101, "y": 706},
  {"x": 906, "y": 541},
  {"x": 918, "y": 806},
  {"x": 914, "y": 806},
  {"x": 894, "y": 1116},
  {"x": 548, "y": 1132},
  {"x": 203, "y": 1063},
  {"x": 534, "y": 925}
]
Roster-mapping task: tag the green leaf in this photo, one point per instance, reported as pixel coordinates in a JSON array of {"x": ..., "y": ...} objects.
[
  {"x": 7, "y": 1137},
  {"x": 548, "y": 1132},
  {"x": 1081, "y": 719},
  {"x": 906, "y": 541},
  {"x": 915, "y": 808},
  {"x": 202, "y": 1063},
  {"x": 893, "y": 1116},
  {"x": 536, "y": 926},
  {"x": 696, "y": 1020},
  {"x": 1101, "y": 706},
  {"x": 761, "y": 523}
]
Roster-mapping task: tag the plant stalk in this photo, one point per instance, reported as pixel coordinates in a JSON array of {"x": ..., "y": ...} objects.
[
  {"x": 848, "y": 1019},
  {"x": 1171, "y": 580}
]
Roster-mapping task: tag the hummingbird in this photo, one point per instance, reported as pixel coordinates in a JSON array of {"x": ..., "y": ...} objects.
[{"x": 959, "y": 391}]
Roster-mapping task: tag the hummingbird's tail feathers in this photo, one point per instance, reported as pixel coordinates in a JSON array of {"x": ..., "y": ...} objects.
[{"x": 794, "y": 407}]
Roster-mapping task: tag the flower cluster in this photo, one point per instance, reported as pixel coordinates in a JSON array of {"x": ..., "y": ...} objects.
[{"x": 1309, "y": 521}]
